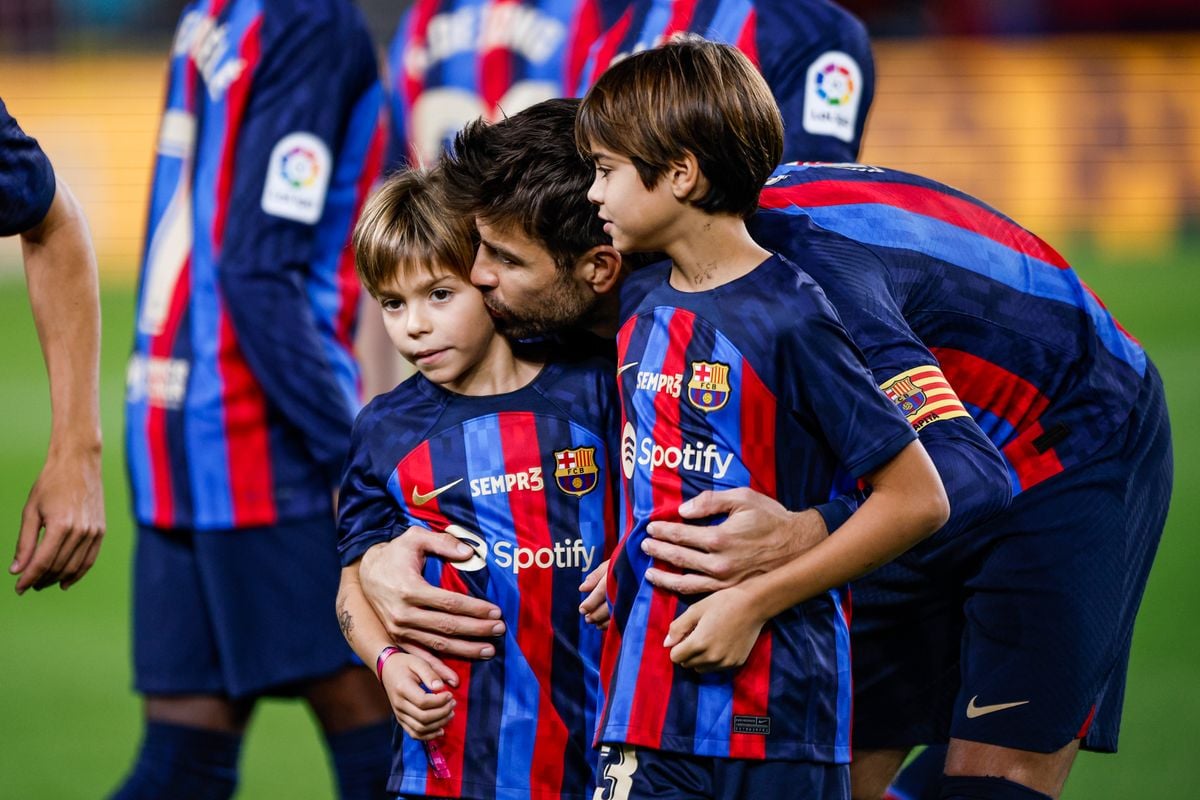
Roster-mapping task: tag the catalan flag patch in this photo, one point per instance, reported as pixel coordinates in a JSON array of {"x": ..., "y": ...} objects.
[{"x": 924, "y": 395}]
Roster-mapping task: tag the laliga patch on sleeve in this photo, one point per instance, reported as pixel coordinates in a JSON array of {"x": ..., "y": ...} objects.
[
  {"x": 297, "y": 177},
  {"x": 833, "y": 91}
]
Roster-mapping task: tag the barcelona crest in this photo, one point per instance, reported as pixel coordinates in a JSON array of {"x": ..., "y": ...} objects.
[
  {"x": 907, "y": 397},
  {"x": 575, "y": 470},
  {"x": 708, "y": 388}
]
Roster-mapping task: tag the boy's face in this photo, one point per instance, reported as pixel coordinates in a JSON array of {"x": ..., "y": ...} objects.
[
  {"x": 525, "y": 291},
  {"x": 635, "y": 217},
  {"x": 439, "y": 324}
]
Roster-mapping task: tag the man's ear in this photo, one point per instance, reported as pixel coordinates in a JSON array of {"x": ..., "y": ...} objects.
[
  {"x": 684, "y": 176},
  {"x": 601, "y": 268}
]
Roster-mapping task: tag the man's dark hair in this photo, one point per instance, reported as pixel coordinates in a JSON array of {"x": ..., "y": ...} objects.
[{"x": 525, "y": 172}]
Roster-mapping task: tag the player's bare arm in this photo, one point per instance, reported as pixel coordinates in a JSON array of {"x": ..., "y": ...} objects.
[
  {"x": 415, "y": 613},
  {"x": 907, "y": 503},
  {"x": 403, "y": 675},
  {"x": 66, "y": 503},
  {"x": 757, "y": 536}
]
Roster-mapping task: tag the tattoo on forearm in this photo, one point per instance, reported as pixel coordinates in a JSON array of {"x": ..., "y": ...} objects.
[{"x": 345, "y": 622}]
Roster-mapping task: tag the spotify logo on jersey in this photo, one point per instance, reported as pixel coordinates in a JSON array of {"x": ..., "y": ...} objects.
[
  {"x": 477, "y": 561},
  {"x": 628, "y": 450}
]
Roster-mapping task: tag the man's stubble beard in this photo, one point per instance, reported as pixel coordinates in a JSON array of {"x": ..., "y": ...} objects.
[{"x": 564, "y": 305}]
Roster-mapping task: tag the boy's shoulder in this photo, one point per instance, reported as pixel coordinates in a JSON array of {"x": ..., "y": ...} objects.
[
  {"x": 581, "y": 390},
  {"x": 584, "y": 390},
  {"x": 414, "y": 403},
  {"x": 640, "y": 283}
]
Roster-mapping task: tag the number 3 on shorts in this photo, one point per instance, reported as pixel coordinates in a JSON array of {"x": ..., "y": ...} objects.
[{"x": 619, "y": 765}]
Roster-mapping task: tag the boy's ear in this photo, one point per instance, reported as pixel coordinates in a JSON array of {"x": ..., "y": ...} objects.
[
  {"x": 685, "y": 176},
  {"x": 601, "y": 268}
]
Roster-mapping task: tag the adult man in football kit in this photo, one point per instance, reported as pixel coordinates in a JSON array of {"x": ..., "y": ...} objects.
[
  {"x": 452, "y": 61},
  {"x": 1009, "y": 637},
  {"x": 241, "y": 390}
]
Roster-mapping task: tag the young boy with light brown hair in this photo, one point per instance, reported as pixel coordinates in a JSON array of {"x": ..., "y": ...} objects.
[{"x": 511, "y": 455}]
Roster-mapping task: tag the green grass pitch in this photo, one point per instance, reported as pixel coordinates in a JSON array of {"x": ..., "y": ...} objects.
[{"x": 69, "y": 723}]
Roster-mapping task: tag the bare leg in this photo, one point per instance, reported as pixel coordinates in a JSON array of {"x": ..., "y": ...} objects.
[
  {"x": 1043, "y": 772},
  {"x": 208, "y": 712},
  {"x": 872, "y": 771},
  {"x": 348, "y": 699}
]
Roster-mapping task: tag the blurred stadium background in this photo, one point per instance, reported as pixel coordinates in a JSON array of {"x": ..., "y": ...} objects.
[{"x": 1079, "y": 118}]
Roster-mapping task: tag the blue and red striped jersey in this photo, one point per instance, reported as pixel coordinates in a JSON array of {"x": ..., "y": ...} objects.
[
  {"x": 241, "y": 389},
  {"x": 452, "y": 61},
  {"x": 815, "y": 56},
  {"x": 751, "y": 384},
  {"x": 527, "y": 479},
  {"x": 26, "y": 178},
  {"x": 1035, "y": 357}
]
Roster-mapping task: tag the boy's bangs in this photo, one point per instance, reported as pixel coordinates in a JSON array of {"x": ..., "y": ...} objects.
[{"x": 596, "y": 125}]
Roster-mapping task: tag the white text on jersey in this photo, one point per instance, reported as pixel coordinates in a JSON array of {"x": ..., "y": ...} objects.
[
  {"x": 571, "y": 553},
  {"x": 698, "y": 457},
  {"x": 529, "y": 480},
  {"x": 208, "y": 45},
  {"x": 529, "y": 32},
  {"x": 657, "y": 382}
]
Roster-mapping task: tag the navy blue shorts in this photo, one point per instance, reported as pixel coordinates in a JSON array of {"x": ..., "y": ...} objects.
[
  {"x": 634, "y": 773},
  {"x": 238, "y": 613},
  {"x": 1017, "y": 633}
]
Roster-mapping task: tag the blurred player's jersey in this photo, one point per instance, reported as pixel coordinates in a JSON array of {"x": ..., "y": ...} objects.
[
  {"x": 26, "y": 178},
  {"x": 242, "y": 388},
  {"x": 815, "y": 56},
  {"x": 528, "y": 480},
  {"x": 1033, "y": 354},
  {"x": 452, "y": 61},
  {"x": 752, "y": 384}
]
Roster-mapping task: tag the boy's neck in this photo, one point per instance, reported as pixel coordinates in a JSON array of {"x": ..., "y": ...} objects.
[
  {"x": 499, "y": 371},
  {"x": 713, "y": 249}
]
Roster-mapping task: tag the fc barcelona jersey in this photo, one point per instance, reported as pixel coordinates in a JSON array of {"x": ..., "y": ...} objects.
[
  {"x": 526, "y": 480},
  {"x": 751, "y": 384},
  {"x": 1035, "y": 357},
  {"x": 452, "y": 61},
  {"x": 242, "y": 386},
  {"x": 26, "y": 178},
  {"x": 815, "y": 56}
]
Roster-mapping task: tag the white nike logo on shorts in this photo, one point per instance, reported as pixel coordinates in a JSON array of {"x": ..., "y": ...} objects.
[{"x": 974, "y": 711}]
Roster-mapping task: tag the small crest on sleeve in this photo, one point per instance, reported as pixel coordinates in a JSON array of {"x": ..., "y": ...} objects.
[
  {"x": 832, "y": 95},
  {"x": 924, "y": 395},
  {"x": 297, "y": 177}
]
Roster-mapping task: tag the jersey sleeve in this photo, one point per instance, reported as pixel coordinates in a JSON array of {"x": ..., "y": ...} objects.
[
  {"x": 301, "y": 98},
  {"x": 822, "y": 73},
  {"x": 831, "y": 388},
  {"x": 27, "y": 182},
  {"x": 367, "y": 514},
  {"x": 859, "y": 287}
]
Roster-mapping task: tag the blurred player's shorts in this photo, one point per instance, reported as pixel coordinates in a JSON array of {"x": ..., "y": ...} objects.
[{"x": 238, "y": 613}]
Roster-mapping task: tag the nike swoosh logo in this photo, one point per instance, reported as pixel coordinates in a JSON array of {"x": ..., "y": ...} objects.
[
  {"x": 974, "y": 711},
  {"x": 421, "y": 499},
  {"x": 624, "y": 367}
]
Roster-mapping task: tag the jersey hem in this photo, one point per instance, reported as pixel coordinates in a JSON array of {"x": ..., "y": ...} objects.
[
  {"x": 781, "y": 749},
  {"x": 472, "y": 790}
]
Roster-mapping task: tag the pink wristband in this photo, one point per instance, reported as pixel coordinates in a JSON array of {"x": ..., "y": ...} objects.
[{"x": 382, "y": 658}]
